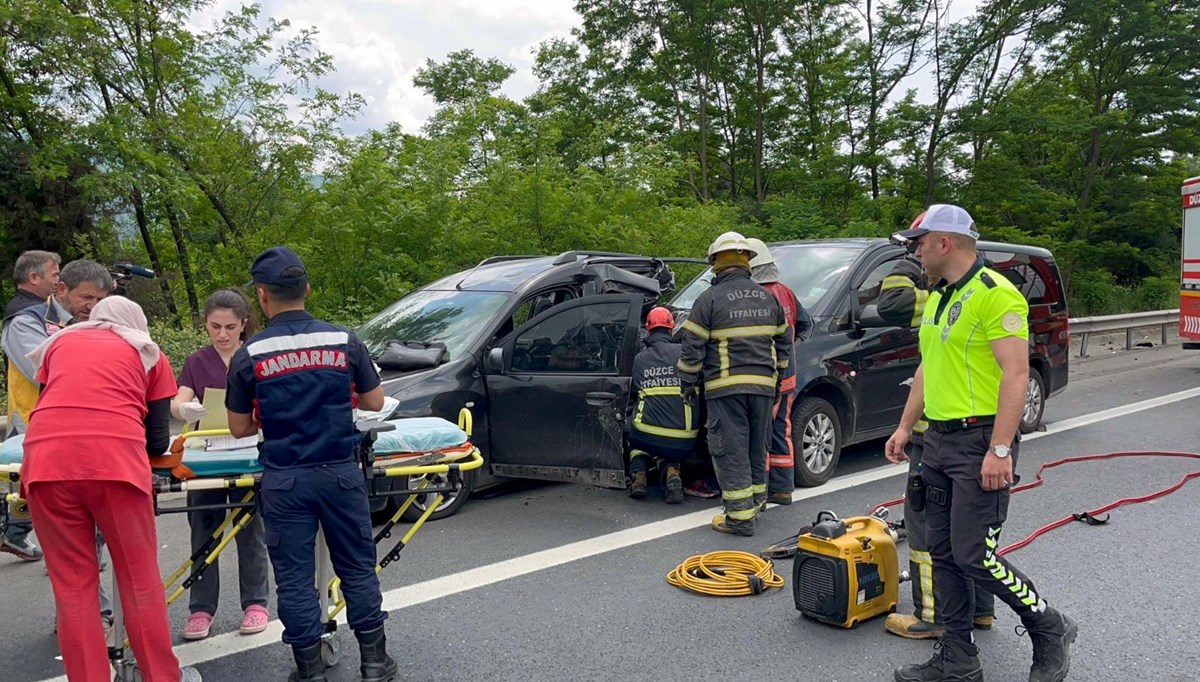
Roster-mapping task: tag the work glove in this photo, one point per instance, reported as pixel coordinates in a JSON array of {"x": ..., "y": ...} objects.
[
  {"x": 192, "y": 411},
  {"x": 690, "y": 393}
]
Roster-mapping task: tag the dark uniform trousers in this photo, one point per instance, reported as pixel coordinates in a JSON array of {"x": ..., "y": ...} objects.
[
  {"x": 963, "y": 530},
  {"x": 294, "y": 501},
  {"x": 925, "y": 605},
  {"x": 738, "y": 427}
]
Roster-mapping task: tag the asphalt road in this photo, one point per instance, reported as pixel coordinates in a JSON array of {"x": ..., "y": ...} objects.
[{"x": 559, "y": 582}]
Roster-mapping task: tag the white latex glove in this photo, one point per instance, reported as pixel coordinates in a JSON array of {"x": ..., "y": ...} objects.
[{"x": 192, "y": 411}]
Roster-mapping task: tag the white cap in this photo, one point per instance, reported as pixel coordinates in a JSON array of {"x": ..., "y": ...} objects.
[
  {"x": 941, "y": 218},
  {"x": 762, "y": 253}
]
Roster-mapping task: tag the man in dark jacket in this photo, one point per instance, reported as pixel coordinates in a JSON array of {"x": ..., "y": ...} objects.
[
  {"x": 662, "y": 427},
  {"x": 737, "y": 341}
]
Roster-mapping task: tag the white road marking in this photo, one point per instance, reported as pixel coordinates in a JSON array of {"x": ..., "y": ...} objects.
[{"x": 232, "y": 643}]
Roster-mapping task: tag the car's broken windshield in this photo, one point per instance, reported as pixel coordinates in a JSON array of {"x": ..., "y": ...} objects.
[
  {"x": 809, "y": 270},
  {"x": 455, "y": 318}
]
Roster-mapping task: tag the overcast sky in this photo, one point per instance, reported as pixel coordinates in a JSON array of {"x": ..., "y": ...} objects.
[{"x": 377, "y": 45}]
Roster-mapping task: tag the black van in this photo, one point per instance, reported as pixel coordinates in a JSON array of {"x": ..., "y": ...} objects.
[
  {"x": 539, "y": 348},
  {"x": 852, "y": 375}
]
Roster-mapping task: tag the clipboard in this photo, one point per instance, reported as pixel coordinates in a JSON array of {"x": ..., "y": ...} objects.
[{"x": 218, "y": 419}]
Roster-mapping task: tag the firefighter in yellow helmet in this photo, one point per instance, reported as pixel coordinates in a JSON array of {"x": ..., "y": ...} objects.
[{"x": 736, "y": 340}]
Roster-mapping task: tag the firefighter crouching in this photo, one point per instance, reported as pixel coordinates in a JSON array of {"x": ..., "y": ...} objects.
[
  {"x": 737, "y": 341},
  {"x": 663, "y": 427},
  {"x": 902, "y": 303}
]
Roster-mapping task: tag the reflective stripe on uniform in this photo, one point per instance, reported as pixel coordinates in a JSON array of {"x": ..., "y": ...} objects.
[
  {"x": 924, "y": 579},
  {"x": 723, "y": 355},
  {"x": 659, "y": 390},
  {"x": 781, "y": 460},
  {"x": 736, "y": 379},
  {"x": 755, "y": 330},
  {"x": 741, "y": 494},
  {"x": 1002, "y": 573},
  {"x": 275, "y": 344},
  {"x": 742, "y": 514},
  {"x": 696, "y": 329},
  {"x": 689, "y": 368},
  {"x": 664, "y": 431},
  {"x": 759, "y": 488},
  {"x": 634, "y": 453}
]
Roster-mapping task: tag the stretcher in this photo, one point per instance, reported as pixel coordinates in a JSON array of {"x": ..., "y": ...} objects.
[{"x": 426, "y": 449}]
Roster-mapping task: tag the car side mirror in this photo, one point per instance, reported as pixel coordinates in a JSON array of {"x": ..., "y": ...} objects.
[
  {"x": 869, "y": 318},
  {"x": 493, "y": 362}
]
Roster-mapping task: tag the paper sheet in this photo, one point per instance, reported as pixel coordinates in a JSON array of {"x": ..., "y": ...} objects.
[{"x": 218, "y": 418}]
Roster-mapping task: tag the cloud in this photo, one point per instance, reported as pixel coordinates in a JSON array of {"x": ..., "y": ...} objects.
[{"x": 377, "y": 45}]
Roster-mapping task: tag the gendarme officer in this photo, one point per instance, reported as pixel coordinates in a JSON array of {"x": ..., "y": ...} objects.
[
  {"x": 971, "y": 385},
  {"x": 298, "y": 381}
]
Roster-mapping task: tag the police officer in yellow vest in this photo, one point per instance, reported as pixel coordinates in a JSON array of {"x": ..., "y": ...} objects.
[
  {"x": 971, "y": 387},
  {"x": 902, "y": 303},
  {"x": 737, "y": 340}
]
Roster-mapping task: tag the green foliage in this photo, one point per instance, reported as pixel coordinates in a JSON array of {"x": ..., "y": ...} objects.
[
  {"x": 126, "y": 133},
  {"x": 178, "y": 343}
]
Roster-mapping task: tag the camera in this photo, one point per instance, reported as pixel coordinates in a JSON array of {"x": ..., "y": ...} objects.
[{"x": 122, "y": 273}]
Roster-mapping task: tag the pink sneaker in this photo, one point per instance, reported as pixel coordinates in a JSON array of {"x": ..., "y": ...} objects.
[
  {"x": 197, "y": 626},
  {"x": 254, "y": 620}
]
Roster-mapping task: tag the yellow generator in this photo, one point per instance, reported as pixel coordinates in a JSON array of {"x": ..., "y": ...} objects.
[{"x": 846, "y": 571}]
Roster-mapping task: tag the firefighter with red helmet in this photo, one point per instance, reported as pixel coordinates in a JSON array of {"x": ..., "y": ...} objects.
[{"x": 663, "y": 427}]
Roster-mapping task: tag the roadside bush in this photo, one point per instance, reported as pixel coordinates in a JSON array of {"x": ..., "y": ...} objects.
[{"x": 177, "y": 343}]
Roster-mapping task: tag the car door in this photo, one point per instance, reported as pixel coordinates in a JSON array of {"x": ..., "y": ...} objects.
[
  {"x": 558, "y": 400},
  {"x": 882, "y": 360}
]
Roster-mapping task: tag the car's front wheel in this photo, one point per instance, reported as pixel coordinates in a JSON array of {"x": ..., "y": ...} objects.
[
  {"x": 1035, "y": 402},
  {"x": 449, "y": 505},
  {"x": 816, "y": 441}
]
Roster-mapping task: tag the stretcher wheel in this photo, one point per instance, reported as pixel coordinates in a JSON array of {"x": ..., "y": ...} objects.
[
  {"x": 331, "y": 650},
  {"x": 127, "y": 672}
]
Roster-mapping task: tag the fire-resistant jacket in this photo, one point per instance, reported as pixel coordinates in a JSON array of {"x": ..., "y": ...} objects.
[
  {"x": 661, "y": 420},
  {"x": 736, "y": 336},
  {"x": 902, "y": 303},
  {"x": 903, "y": 294}
]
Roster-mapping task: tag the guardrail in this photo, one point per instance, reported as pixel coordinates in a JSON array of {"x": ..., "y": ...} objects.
[{"x": 1083, "y": 326}]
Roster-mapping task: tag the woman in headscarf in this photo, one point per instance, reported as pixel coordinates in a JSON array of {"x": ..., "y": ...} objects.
[{"x": 104, "y": 410}]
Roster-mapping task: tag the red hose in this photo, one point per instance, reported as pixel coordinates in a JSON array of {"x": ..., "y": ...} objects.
[{"x": 1089, "y": 516}]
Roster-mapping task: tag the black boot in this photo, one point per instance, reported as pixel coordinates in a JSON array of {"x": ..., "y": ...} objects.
[
  {"x": 672, "y": 485},
  {"x": 637, "y": 487},
  {"x": 376, "y": 666},
  {"x": 952, "y": 662},
  {"x": 309, "y": 666},
  {"x": 1052, "y": 633}
]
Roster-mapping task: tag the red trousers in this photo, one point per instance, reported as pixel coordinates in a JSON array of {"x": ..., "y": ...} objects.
[{"x": 65, "y": 515}]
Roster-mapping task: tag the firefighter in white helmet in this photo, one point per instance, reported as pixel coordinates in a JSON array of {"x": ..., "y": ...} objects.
[
  {"x": 781, "y": 462},
  {"x": 737, "y": 341}
]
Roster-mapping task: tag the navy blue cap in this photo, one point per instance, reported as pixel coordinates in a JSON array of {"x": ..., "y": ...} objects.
[{"x": 269, "y": 266}]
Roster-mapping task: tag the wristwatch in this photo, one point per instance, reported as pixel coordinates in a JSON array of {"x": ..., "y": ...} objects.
[{"x": 1001, "y": 451}]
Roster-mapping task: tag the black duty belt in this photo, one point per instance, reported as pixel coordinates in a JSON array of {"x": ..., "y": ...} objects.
[{"x": 946, "y": 425}]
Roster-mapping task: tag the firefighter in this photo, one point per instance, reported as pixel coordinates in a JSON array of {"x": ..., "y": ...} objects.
[
  {"x": 736, "y": 340},
  {"x": 781, "y": 462},
  {"x": 902, "y": 302},
  {"x": 662, "y": 427},
  {"x": 970, "y": 385}
]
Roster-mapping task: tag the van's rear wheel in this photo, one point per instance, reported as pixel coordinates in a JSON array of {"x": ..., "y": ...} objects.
[
  {"x": 816, "y": 441},
  {"x": 1035, "y": 402}
]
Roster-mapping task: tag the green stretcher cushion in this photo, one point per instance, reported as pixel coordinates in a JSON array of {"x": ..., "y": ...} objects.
[{"x": 414, "y": 435}]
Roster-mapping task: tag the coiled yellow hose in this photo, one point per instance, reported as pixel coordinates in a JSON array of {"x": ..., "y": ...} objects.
[{"x": 725, "y": 574}]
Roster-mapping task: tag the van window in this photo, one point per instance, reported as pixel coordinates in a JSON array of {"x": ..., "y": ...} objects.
[
  {"x": 585, "y": 339},
  {"x": 1019, "y": 269},
  {"x": 868, "y": 291}
]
